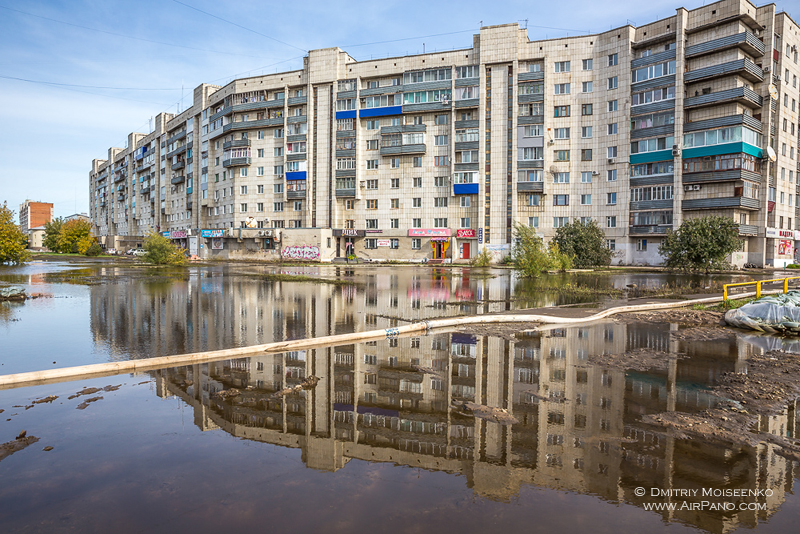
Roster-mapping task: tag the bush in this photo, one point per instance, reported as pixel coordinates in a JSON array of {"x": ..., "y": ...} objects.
[
  {"x": 93, "y": 250},
  {"x": 584, "y": 243},
  {"x": 52, "y": 233},
  {"x": 482, "y": 259},
  {"x": 530, "y": 255},
  {"x": 701, "y": 244},
  {"x": 160, "y": 251},
  {"x": 75, "y": 236},
  {"x": 13, "y": 242}
]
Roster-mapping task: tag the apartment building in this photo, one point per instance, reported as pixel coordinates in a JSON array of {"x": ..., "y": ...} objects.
[
  {"x": 34, "y": 214},
  {"x": 437, "y": 156}
]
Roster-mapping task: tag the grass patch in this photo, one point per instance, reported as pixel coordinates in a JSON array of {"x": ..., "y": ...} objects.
[{"x": 730, "y": 304}]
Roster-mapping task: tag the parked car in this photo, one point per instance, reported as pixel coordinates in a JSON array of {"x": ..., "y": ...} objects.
[
  {"x": 111, "y": 251},
  {"x": 139, "y": 252}
]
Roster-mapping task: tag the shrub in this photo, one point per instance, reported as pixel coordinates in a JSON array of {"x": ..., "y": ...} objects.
[
  {"x": 530, "y": 255},
  {"x": 482, "y": 259},
  {"x": 160, "y": 251},
  {"x": 701, "y": 244},
  {"x": 585, "y": 243},
  {"x": 13, "y": 242}
]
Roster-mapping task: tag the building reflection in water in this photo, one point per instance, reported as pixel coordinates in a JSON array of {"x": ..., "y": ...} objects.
[{"x": 579, "y": 424}]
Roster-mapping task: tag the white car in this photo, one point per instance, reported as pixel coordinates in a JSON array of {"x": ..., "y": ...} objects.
[
  {"x": 111, "y": 251},
  {"x": 139, "y": 252}
]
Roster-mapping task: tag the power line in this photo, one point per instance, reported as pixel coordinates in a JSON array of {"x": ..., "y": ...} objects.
[
  {"x": 126, "y": 36},
  {"x": 87, "y": 86},
  {"x": 240, "y": 26}
]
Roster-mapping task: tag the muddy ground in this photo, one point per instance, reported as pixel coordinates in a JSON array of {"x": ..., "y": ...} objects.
[{"x": 748, "y": 400}]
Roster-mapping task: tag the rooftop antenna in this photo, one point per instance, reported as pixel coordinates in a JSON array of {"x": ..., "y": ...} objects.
[{"x": 423, "y": 48}]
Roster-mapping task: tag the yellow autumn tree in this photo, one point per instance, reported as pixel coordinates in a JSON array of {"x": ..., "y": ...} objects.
[
  {"x": 72, "y": 234},
  {"x": 13, "y": 242}
]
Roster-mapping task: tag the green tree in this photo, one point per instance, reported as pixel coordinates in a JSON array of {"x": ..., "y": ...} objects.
[
  {"x": 74, "y": 234},
  {"x": 160, "y": 251},
  {"x": 701, "y": 244},
  {"x": 585, "y": 243},
  {"x": 52, "y": 233},
  {"x": 530, "y": 255},
  {"x": 13, "y": 242}
]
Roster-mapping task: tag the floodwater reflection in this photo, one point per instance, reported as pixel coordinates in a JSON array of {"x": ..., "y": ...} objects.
[{"x": 579, "y": 423}]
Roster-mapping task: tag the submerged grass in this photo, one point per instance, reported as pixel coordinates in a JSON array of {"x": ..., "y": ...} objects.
[{"x": 280, "y": 277}]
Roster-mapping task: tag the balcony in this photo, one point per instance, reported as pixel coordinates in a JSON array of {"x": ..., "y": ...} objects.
[
  {"x": 346, "y": 193},
  {"x": 721, "y": 176},
  {"x": 721, "y": 203},
  {"x": 530, "y": 187},
  {"x": 748, "y": 230},
  {"x": 298, "y": 194},
  {"x": 178, "y": 180},
  {"x": 651, "y": 205},
  {"x": 221, "y": 113},
  {"x": 742, "y": 95},
  {"x": 180, "y": 150},
  {"x": 745, "y": 40},
  {"x": 246, "y": 125},
  {"x": 465, "y": 189},
  {"x": 189, "y": 205},
  {"x": 177, "y": 136},
  {"x": 179, "y": 165},
  {"x": 650, "y": 229},
  {"x": 743, "y": 67},
  {"x": 530, "y": 119},
  {"x": 297, "y": 100},
  {"x": 236, "y": 162},
  {"x": 403, "y": 149},
  {"x": 236, "y": 143}
]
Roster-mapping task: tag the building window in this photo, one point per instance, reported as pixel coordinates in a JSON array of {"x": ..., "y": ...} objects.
[
  {"x": 416, "y": 223},
  {"x": 558, "y": 222},
  {"x": 562, "y": 66},
  {"x": 440, "y": 161},
  {"x": 394, "y": 203},
  {"x": 371, "y": 224},
  {"x": 611, "y": 199},
  {"x": 612, "y": 129},
  {"x": 372, "y": 204},
  {"x": 612, "y": 105},
  {"x": 586, "y": 200},
  {"x": 416, "y": 244},
  {"x": 586, "y": 132},
  {"x": 372, "y": 164},
  {"x": 533, "y": 200},
  {"x": 586, "y": 154},
  {"x": 394, "y": 223},
  {"x": 586, "y": 177},
  {"x": 560, "y": 200},
  {"x": 587, "y": 64},
  {"x": 370, "y": 243},
  {"x": 561, "y": 89},
  {"x": 611, "y": 222},
  {"x": 416, "y": 202},
  {"x": 561, "y": 155},
  {"x": 417, "y": 182},
  {"x": 611, "y": 175},
  {"x": 440, "y": 222},
  {"x": 586, "y": 87},
  {"x": 417, "y": 161},
  {"x": 612, "y": 152},
  {"x": 613, "y": 60},
  {"x": 561, "y": 178},
  {"x": 533, "y": 222},
  {"x": 586, "y": 109},
  {"x": 561, "y": 111},
  {"x": 373, "y": 124},
  {"x": 613, "y": 82},
  {"x": 641, "y": 245}
]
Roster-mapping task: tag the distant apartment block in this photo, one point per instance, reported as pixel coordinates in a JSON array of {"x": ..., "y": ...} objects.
[
  {"x": 438, "y": 156},
  {"x": 34, "y": 214}
]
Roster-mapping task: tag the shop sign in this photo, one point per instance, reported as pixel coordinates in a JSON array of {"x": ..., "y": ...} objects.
[
  {"x": 775, "y": 233},
  {"x": 219, "y": 232},
  {"x": 429, "y": 232},
  {"x": 384, "y": 242},
  {"x": 178, "y": 234},
  {"x": 785, "y": 246},
  {"x": 465, "y": 233},
  {"x": 442, "y": 239},
  {"x": 217, "y": 243},
  {"x": 348, "y": 232},
  {"x": 480, "y": 235}
]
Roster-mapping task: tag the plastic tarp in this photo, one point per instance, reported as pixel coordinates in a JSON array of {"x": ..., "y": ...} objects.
[{"x": 772, "y": 314}]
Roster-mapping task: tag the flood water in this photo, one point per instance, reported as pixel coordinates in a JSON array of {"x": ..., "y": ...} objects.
[{"x": 376, "y": 443}]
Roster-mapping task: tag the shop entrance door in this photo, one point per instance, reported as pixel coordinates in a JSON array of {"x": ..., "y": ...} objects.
[{"x": 465, "y": 251}]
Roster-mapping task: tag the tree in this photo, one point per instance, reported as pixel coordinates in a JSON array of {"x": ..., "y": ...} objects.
[
  {"x": 73, "y": 234},
  {"x": 12, "y": 240},
  {"x": 530, "y": 255},
  {"x": 584, "y": 243},
  {"x": 160, "y": 251},
  {"x": 701, "y": 244},
  {"x": 52, "y": 232}
]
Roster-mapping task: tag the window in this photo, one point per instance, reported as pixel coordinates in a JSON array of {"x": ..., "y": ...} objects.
[
  {"x": 371, "y": 243},
  {"x": 372, "y": 204},
  {"x": 416, "y": 244},
  {"x": 560, "y": 200},
  {"x": 533, "y": 200},
  {"x": 587, "y": 64},
  {"x": 558, "y": 222},
  {"x": 533, "y": 222},
  {"x": 417, "y": 162},
  {"x": 394, "y": 163},
  {"x": 586, "y": 87},
  {"x": 465, "y": 222},
  {"x": 442, "y": 119},
  {"x": 641, "y": 245},
  {"x": 372, "y": 184},
  {"x": 278, "y": 133},
  {"x": 371, "y": 224},
  {"x": 395, "y": 183},
  {"x": 561, "y": 155},
  {"x": 372, "y": 164},
  {"x": 440, "y": 181},
  {"x": 373, "y": 124},
  {"x": 586, "y": 154},
  {"x": 277, "y": 151},
  {"x": 440, "y": 161},
  {"x": 612, "y": 60},
  {"x": 440, "y": 222},
  {"x": 586, "y": 132},
  {"x": 562, "y": 133},
  {"x": 260, "y": 171},
  {"x": 417, "y": 182},
  {"x": 298, "y": 206},
  {"x": 561, "y": 89},
  {"x": 440, "y": 202},
  {"x": 586, "y": 177},
  {"x": 277, "y": 206},
  {"x": 277, "y": 170},
  {"x": 394, "y": 223},
  {"x": 612, "y": 151},
  {"x": 611, "y": 222},
  {"x": 466, "y": 202},
  {"x": 532, "y": 153},
  {"x": 243, "y": 208},
  {"x": 243, "y": 171},
  {"x": 416, "y": 202},
  {"x": 561, "y": 178},
  {"x": 561, "y": 111},
  {"x": 260, "y": 189},
  {"x": 611, "y": 175},
  {"x": 586, "y": 200},
  {"x": 349, "y": 204},
  {"x": 654, "y": 95},
  {"x": 613, "y": 82},
  {"x": 562, "y": 66},
  {"x": 611, "y": 199},
  {"x": 612, "y": 105},
  {"x": 372, "y": 144},
  {"x": 612, "y": 129},
  {"x": 277, "y": 188},
  {"x": 586, "y": 109},
  {"x": 440, "y": 140},
  {"x": 243, "y": 189}
]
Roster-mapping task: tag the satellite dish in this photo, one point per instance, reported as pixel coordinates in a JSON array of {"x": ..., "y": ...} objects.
[
  {"x": 250, "y": 222},
  {"x": 773, "y": 92},
  {"x": 554, "y": 169},
  {"x": 771, "y": 154}
]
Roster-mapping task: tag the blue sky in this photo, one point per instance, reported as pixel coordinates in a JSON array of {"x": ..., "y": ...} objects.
[{"x": 145, "y": 51}]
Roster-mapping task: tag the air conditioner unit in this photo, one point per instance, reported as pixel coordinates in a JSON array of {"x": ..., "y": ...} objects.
[
  {"x": 363, "y": 184},
  {"x": 688, "y": 187},
  {"x": 766, "y": 70},
  {"x": 595, "y": 173},
  {"x": 612, "y": 161},
  {"x": 777, "y": 79},
  {"x": 676, "y": 152},
  {"x": 697, "y": 187}
]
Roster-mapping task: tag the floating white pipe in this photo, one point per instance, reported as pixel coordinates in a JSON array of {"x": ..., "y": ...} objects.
[{"x": 49, "y": 376}]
